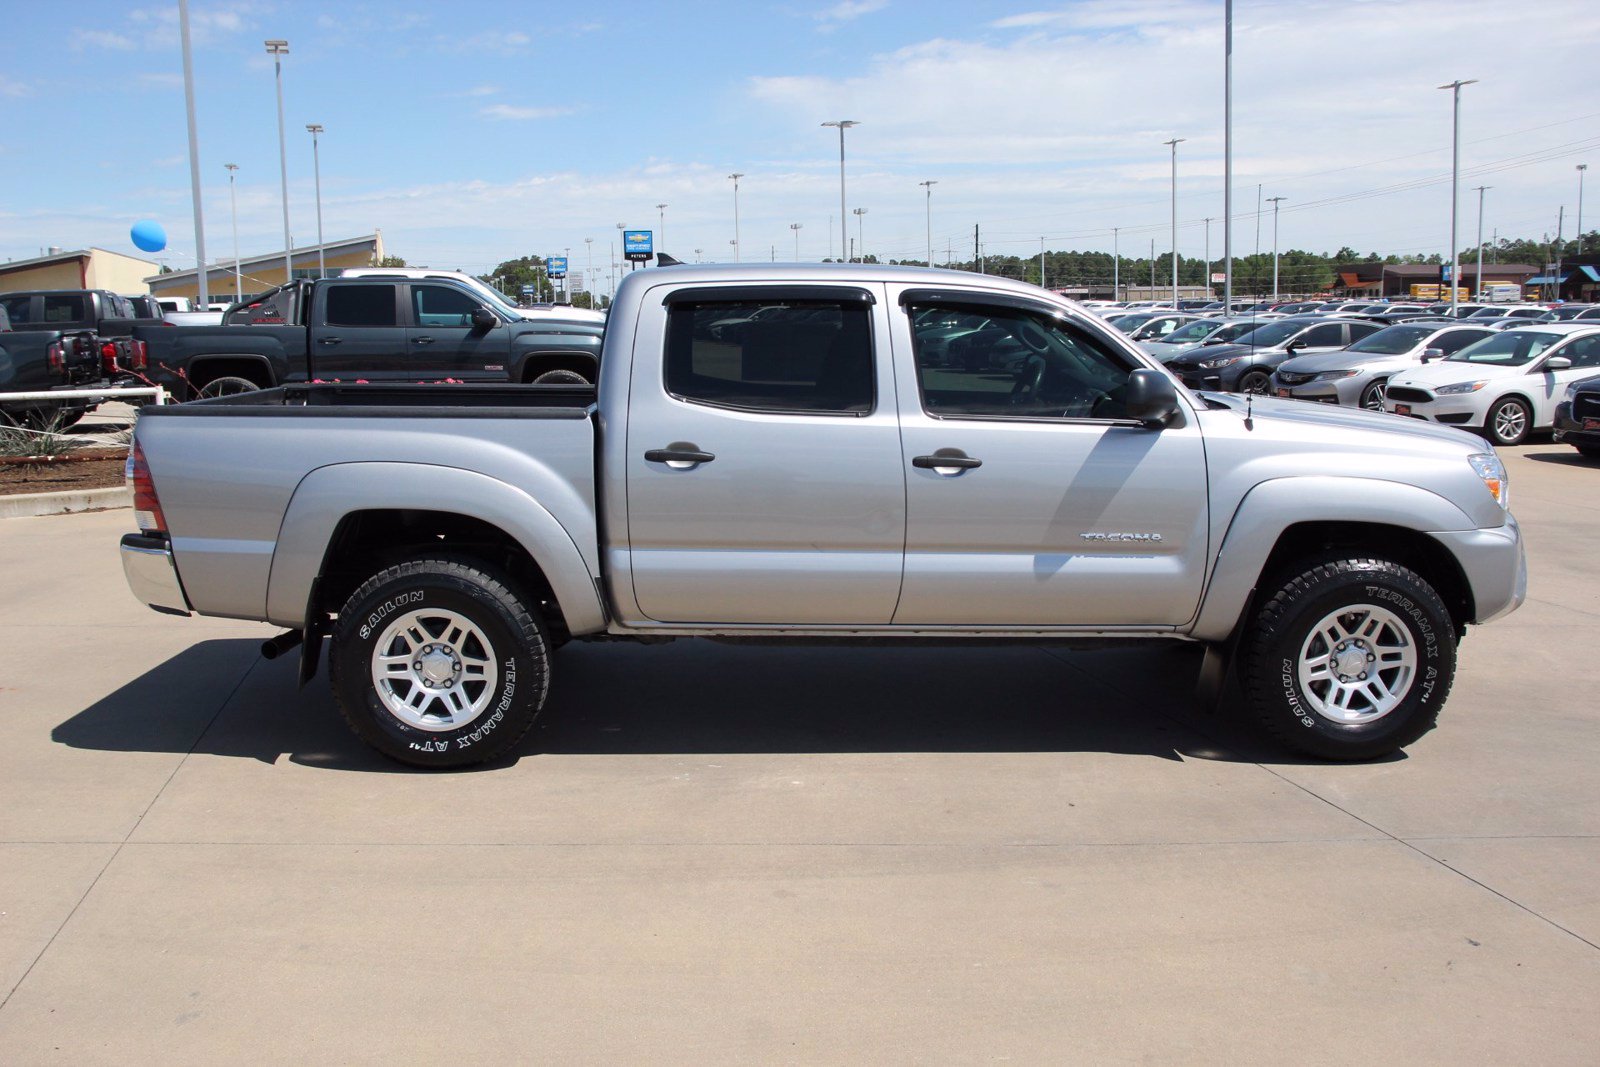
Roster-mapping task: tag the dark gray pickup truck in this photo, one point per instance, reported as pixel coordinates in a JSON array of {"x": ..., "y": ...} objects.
[
  {"x": 375, "y": 329},
  {"x": 48, "y": 345}
]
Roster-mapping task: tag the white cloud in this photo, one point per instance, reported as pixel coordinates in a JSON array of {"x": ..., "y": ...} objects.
[
  {"x": 831, "y": 18},
  {"x": 11, "y": 87},
  {"x": 512, "y": 111},
  {"x": 480, "y": 90}
]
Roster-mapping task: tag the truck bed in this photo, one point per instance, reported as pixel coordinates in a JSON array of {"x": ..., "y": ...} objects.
[{"x": 245, "y": 481}]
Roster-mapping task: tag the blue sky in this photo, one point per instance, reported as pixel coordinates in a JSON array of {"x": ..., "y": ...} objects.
[{"x": 478, "y": 131}]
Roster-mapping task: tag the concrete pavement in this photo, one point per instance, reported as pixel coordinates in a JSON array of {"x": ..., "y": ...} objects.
[{"x": 716, "y": 854}]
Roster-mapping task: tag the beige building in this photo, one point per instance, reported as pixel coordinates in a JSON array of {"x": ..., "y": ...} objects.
[
  {"x": 260, "y": 273},
  {"x": 87, "y": 268}
]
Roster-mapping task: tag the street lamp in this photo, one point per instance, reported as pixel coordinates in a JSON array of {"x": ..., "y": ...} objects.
[
  {"x": 315, "y": 129},
  {"x": 1480, "y": 191},
  {"x": 1173, "y": 144},
  {"x": 661, "y": 230},
  {"x": 928, "y": 185},
  {"x": 233, "y": 201},
  {"x": 734, "y": 177},
  {"x": 795, "y": 226},
  {"x": 1455, "y": 184},
  {"x": 277, "y": 49},
  {"x": 1116, "y": 267},
  {"x": 1581, "y": 168},
  {"x": 844, "y": 227},
  {"x": 1275, "y": 201},
  {"x": 588, "y": 248},
  {"x": 861, "y": 231},
  {"x": 1209, "y": 291},
  {"x": 203, "y": 274}
]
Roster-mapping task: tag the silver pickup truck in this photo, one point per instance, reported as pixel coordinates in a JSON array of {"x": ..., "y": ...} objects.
[{"x": 828, "y": 452}]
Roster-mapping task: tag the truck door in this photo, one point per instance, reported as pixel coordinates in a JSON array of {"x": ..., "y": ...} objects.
[
  {"x": 764, "y": 475},
  {"x": 1030, "y": 500},
  {"x": 442, "y": 342},
  {"x": 357, "y": 332}
]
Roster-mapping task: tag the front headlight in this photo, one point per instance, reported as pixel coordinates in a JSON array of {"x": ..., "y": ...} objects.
[
  {"x": 1334, "y": 375},
  {"x": 1493, "y": 472},
  {"x": 1218, "y": 364},
  {"x": 1572, "y": 392},
  {"x": 1460, "y": 387}
]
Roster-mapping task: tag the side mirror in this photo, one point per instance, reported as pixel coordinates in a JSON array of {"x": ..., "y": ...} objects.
[
  {"x": 484, "y": 319},
  {"x": 1431, "y": 354},
  {"x": 1557, "y": 363},
  {"x": 1151, "y": 398},
  {"x": 1296, "y": 345}
]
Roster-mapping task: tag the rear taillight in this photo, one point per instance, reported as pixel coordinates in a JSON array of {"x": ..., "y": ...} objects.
[
  {"x": 146, "y": 506},
  {"x": 56, "y": 357},
  {"x": 138, "y": 354},
  {"x": 108, "y": 356}
]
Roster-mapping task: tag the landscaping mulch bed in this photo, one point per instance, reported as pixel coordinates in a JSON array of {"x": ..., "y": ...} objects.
[{"x": 89, "y": 468}]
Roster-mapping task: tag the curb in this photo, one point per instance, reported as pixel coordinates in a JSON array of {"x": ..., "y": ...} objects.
[{"x": 23, "y": 505}]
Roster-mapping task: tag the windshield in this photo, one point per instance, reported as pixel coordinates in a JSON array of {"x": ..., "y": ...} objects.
[
  {"x": 1393, "y": 341},
  {"x": 1273, "y": 333},
  {"x": 1129, "y": 322},
  {"x": 1194, "y": 331},
  {"x": 1510, "y": 349}
]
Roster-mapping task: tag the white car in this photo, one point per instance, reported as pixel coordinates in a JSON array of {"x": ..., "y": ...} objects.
[{"x": 1506, "y": 385}]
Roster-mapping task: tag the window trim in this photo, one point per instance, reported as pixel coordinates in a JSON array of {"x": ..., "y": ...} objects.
[
  {"x": 979, "y": 303},
  {"x": 822, "y": 295}
]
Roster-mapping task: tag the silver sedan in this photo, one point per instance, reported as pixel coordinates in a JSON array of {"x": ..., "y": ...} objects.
[{"x": 1357, "y": 376}]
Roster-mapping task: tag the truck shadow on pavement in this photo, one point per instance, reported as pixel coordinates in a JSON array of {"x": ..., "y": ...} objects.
[{"x": 219, "y": 698}]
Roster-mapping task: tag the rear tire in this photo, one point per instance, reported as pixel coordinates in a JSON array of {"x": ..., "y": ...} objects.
[
  {"x": 1255, "y": 381},
  {"x": 437, "y": 663},
  {"x": 1349, "y": 659},
  {"x": 560, "y": 376},
  {"x": 227, "y": 386}
]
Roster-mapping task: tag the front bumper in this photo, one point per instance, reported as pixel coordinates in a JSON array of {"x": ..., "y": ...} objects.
[
  {"x": 1459, "y": 410},
  {"x": 152, "y": 574},
  {"x": 1495, "y": 565},
  {"x": 1345, "y": 391},
  {"x": 1573, "y": 430}
]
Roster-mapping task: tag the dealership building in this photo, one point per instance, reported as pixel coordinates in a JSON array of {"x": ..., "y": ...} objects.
[{"x": 85, "y": 268}]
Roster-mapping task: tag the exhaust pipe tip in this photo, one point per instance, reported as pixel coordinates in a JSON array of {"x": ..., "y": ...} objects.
[{"x": 274, "y": 647}]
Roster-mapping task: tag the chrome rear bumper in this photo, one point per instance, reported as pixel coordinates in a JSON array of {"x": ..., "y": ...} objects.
[{"x": 148, "y": 566}]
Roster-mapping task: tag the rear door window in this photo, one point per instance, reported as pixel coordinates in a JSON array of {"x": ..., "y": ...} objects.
[
  {"x": 17, "y": 309},
  {"x": 360, "y": 305},
  {"x": 66, "y": 307}
]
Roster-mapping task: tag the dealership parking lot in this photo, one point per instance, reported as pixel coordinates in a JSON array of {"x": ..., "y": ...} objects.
[{"x": 711, "y": 853}]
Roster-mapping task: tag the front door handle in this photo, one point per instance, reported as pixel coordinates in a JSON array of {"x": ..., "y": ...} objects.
[
  {"x": 330, "y": 340},
  {"x": 947, "y": 461},
  {"x": 422, "y": 340},
  {"x": 680, "y": 456}
]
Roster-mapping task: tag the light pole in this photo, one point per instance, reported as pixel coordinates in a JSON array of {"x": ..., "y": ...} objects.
[
  {"x": 202, "y": 276},
  {"x": 1275, "y": 201},
  {"x": 928, "y": 185},
  {"x": 697, "y": 253},
  {"x": 588, "y": 243},
  {"x": 661, "y": 214},
  {"x": 1173, "y": 144},
  {"x": 277, "y": 49},
  {"x": 1041, "y": 262},
  {"x": 315, "y": 130},
  {"x": 844, "y": 223},
  {"x": 735, "y": 242},
  {"x": 1227, "y": 157},
  {"x": 1455, "y": 184},
  {"x": 1581, "y": 168},
  {"x": 1481, "y": 188},
  {"x": 233, "y": 202},
  {"x": 795, "y": 226},
  {"x": 1116, "y": 267},
  {"x": 861, "y": 231},
  {"x": 1209, "y": 290}
]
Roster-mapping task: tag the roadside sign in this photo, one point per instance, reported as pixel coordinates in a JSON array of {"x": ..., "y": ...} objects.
[
  {"x": 638, "y": 245},
  {"x": 556, "y": 266},
  {"x": 527, "y": 290},
  {"x": 1217, "y": 276}
]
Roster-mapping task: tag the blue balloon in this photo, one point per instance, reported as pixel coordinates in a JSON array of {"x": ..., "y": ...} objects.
[{"x": 148, "y": 235}]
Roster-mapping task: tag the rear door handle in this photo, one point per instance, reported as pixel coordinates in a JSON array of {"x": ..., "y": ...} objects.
[
  {"x": 679, "y": 456},
  {"x": 947, "y": 461},
  {"x": 422, "y": 340},
  {"x": 330, "y": 340}
]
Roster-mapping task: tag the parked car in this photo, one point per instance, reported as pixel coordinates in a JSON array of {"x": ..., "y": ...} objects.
[
  {"x": 1184, "y": 337},
  {"x": 377, "y": 329},
  {"x": 1577, "y": 420},
  {"x": 1356, "y": 376},
  {"x": 491, "y": 295},
  {"x": 1498, "y": 311},
  {"x": 1506, "y": 385},
  {"x": 1159, "y": 326},
  {"x": 827, "y": 486},
  {"x": 1567, "y": 312},
  {"x": 40, "y": 361},
  {"x": 1246, "y": 365},
  {"x": 96, "y": 320}
]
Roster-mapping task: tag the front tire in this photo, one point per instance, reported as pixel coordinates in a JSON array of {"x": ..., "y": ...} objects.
[
  {"x": 1372, "y": 395},
  {"x": 437, "y": 663},
  {"x": 1255, "y": 381},
  {"x": 1509, "y": 421},
  {"x": 1349, "y": 659}
]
